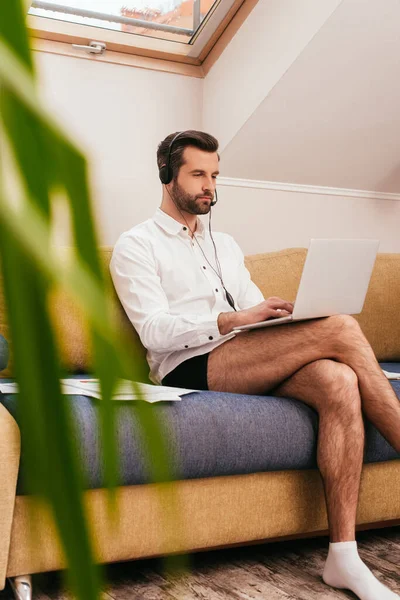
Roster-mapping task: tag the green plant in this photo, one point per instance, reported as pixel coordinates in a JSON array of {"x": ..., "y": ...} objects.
[{"x": 44, "y": 164}]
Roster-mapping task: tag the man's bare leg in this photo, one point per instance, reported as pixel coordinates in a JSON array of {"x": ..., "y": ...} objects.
[
  {"x": 259, "y": 364},
  {"x": 257, "y": 361},
  {"x": 331, "y": 388}
]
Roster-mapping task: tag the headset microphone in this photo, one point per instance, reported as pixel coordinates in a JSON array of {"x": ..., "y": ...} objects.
[{"x": 214, "y": 202}]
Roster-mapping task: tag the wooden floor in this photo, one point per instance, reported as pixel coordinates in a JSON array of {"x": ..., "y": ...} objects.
[{"x": 285, "y": 570}]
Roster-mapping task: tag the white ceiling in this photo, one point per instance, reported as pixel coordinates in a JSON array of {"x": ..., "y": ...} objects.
[{"x": 333, "y": 118}]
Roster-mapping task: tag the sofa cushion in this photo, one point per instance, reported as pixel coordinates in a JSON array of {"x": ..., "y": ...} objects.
[
  {"x": 70, "y": 325},
  {"x": 211, "y": 434},
  {"x": 3, "y": 353},
  {"x": 275, "y": 273}
]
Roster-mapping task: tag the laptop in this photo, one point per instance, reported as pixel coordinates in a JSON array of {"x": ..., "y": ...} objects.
[{"x": 334, "y": 281}]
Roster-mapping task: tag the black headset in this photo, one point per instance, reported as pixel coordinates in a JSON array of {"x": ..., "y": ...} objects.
[{"x": 165, "y": 174}]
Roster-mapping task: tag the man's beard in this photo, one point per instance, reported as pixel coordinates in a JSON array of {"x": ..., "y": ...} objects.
[{"x": 189, "y": 203}]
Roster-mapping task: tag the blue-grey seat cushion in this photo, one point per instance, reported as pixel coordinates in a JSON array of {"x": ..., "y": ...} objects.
[
  {"x": 211, "y": 434},
  {"x": 3, "y": 353}
]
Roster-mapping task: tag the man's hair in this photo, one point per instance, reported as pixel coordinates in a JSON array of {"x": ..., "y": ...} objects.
[{"x": 199, "y": 139}]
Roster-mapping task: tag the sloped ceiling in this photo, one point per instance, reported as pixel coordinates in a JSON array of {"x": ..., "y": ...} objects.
[{"x": 333, "y": 118}]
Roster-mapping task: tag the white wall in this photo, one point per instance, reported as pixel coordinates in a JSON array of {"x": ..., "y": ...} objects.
[
  {"x": 333, "y": 118},
  {"x": 263, "y": 49},
  {"x": 267, "y": 220},
  {"x": 119, "y": 114}
]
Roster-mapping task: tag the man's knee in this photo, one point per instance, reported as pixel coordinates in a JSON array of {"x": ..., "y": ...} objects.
[
  {"x": 345, "y": 334},
  {"x": 340, "y": 385},
  {"x": 343, "y": 324}
]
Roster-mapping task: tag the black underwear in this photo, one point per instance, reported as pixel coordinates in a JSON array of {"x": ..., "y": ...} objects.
[{"x": 191, "y": 374}]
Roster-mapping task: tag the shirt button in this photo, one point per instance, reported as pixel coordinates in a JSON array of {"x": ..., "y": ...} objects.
[
  {"x": 216, "y": 289},
  {"x": 203, "y": 267},
  {"x": 186, "y": 346},
  {"x": 210, "y": 337},
  {"x": 185, "y": 228}
]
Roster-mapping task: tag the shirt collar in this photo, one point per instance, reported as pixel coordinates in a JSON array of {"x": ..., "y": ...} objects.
[{"x": 174, "y": 227}]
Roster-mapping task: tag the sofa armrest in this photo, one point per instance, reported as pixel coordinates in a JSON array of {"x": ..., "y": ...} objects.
[{"x": 10, "y": 445}]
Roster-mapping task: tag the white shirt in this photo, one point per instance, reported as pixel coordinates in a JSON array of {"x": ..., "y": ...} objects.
[{"x": 171, "y": 294}]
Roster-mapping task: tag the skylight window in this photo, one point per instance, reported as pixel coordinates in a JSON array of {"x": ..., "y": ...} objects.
[
  {"x": 179, "y": 36},
  {"x": 173, "y": 20}
]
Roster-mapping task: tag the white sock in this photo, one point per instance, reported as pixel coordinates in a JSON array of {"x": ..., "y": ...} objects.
[{"x": 344, "y": 569}]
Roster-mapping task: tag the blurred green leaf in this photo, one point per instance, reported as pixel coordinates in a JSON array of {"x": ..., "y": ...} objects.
[{"x": 46, "y": 161}]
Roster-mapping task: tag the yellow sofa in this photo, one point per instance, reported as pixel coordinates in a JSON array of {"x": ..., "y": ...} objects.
[{"x": 214, "y": 511}]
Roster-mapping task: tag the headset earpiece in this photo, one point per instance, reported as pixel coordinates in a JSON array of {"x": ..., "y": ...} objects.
[
  {"x": 165, "y": 175},
  {"x": 165, "y": 172}
]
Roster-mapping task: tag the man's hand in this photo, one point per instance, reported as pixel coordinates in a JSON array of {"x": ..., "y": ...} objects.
[{"x": 273, "y": 307}]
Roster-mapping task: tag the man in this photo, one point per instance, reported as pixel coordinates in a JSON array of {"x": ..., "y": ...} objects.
[{"x": 184, "y": 292}]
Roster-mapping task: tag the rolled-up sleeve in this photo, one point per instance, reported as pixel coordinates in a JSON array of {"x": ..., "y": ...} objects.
[{"x": 137, "y": 283}]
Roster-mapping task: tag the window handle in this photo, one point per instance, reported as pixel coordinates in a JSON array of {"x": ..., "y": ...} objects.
[{"x": 92, "y": 48}]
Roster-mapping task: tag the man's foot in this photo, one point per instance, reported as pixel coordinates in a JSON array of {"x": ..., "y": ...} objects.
[{"x": 344, "y": 569}]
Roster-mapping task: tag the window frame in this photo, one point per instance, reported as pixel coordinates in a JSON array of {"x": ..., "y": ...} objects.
[{"x": 55, "y": 36}]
